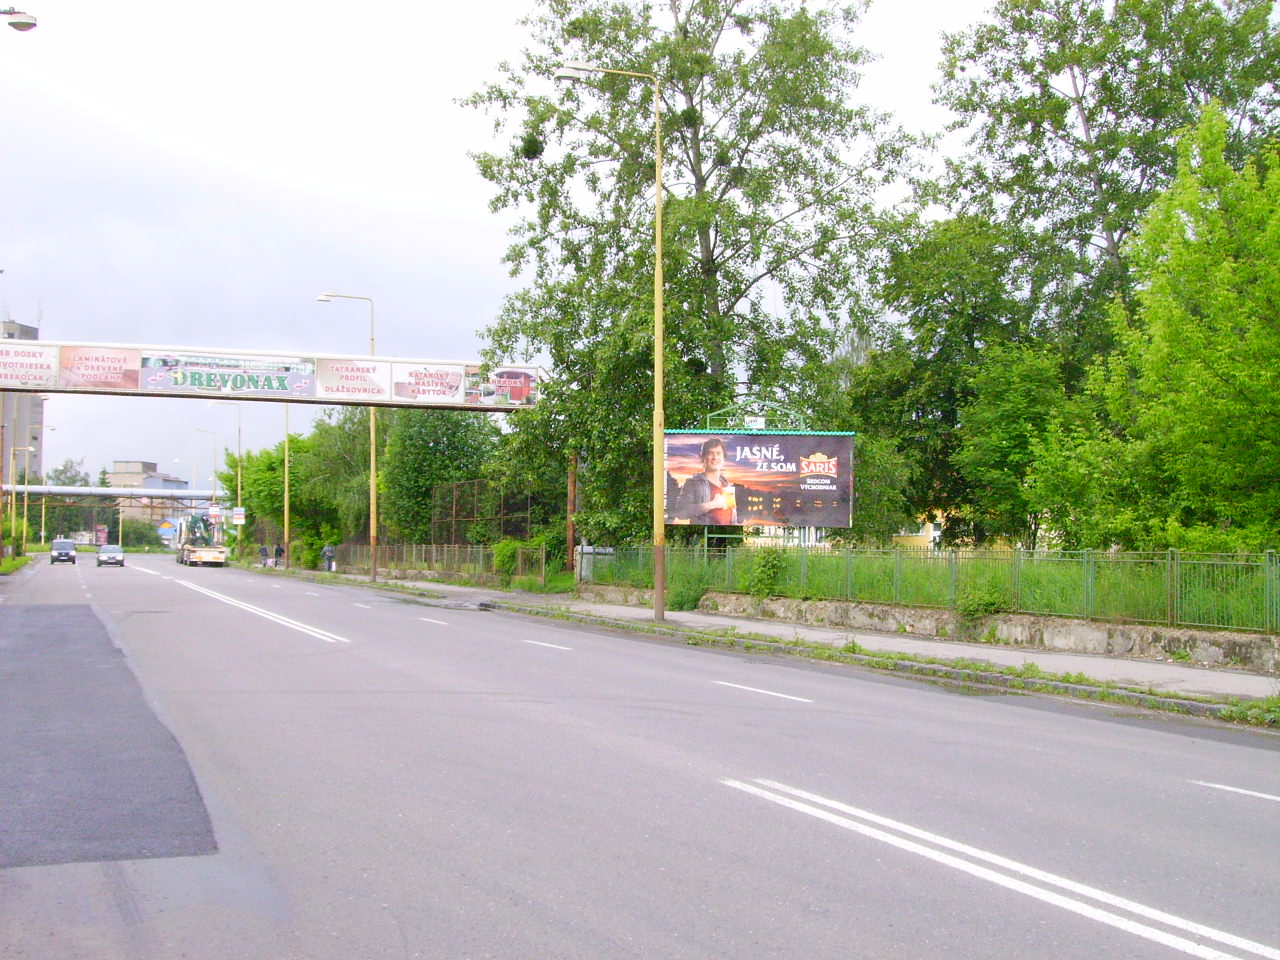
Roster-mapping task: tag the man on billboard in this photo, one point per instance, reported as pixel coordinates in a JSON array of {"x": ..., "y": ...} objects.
[{"x": 708, "y": 497}]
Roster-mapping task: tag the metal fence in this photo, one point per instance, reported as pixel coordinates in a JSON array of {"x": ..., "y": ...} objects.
[
  {"x": 1230, "y": 591},
  {"x": 464, "y": 561}
]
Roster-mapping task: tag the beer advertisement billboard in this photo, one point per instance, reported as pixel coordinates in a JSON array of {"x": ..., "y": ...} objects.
[{"x": 784, "y": 479}]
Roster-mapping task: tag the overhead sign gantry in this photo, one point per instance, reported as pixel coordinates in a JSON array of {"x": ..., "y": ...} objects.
[{"x": 43, "y": 366}]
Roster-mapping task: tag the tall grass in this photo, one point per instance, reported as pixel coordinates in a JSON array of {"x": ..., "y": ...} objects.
[{"x": 1240, "y": 592}]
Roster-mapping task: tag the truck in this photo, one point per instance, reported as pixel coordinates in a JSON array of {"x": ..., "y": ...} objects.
[{"x": 199, "y": 541}]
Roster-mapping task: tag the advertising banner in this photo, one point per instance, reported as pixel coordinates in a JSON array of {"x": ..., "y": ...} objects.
[
  {"x": 24, "y": 363},
  {"x": 100, "y": 368},
  {"x": 180, "y": 371},
  {"x": 353, "y": 379},
  {"x": 759, "y": 479},
  {"x": 277, "y": 378}
]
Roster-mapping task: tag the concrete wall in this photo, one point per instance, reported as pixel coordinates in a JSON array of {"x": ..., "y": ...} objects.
[{"x": 1248, "y": 651}]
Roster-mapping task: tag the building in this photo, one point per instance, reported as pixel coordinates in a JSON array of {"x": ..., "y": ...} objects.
[
  {"x": 144, "y": 474},
  {"x": 22, "y": 417}
]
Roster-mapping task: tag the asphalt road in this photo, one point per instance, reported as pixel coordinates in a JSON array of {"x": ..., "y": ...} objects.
[{"x": 390, "y": 779}]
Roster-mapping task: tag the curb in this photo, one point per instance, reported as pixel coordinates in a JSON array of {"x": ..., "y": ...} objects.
[{"x": 1154, "y": 701}]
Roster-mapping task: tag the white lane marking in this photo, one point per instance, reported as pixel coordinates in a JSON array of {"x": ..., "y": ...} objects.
[
  {"x": 311, "y": 594},
  {"x": 324, "y": 635},
  {"x": 1039, "y": 893},
  {"x": 553, "y": 646},
  {"x": 784, "y": 696},
  {"x": 276, "y": 586},
  {"x": 429, "y": 620},
  {"x": 1247, "y": 793},
  {"x": 364, "y": 606}
]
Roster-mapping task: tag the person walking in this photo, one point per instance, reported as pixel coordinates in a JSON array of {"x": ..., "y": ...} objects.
[
  {"x": 279, "y": 555},
  {"x": 262, "y": 554},
  {"x": 327, "y": 556}
]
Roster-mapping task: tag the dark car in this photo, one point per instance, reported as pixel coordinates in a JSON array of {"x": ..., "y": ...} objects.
[
  {"x": 62, "y": 551},
  {"x": 110, "y": 553}
]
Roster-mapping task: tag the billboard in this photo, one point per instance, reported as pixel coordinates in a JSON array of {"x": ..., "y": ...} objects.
[
  {"x": 232, "y": 374},
  {"x": 784, "y": 479}
]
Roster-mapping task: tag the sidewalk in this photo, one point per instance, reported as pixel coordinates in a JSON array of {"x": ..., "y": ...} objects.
[{"x": 1173, "y": 678}]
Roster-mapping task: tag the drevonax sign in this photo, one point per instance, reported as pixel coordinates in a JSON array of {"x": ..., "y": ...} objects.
[{"x": 44, "y": 366}]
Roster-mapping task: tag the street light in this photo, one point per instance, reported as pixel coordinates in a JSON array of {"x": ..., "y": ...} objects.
[
  {"x": 213, "y": 499},
  {"x": 22, "y": 22},
  {"x": 373, "y": 443},
  {"x": 239, "y": 442},
  {"x": 577, "y": 70},
  {"x": 239, "y": 459},
  {"x": 13, "y": 497},
  {"x": 287, "y": 550},
  {"x": 26, "y": 492},
  {"x": 44, "y": 476}
]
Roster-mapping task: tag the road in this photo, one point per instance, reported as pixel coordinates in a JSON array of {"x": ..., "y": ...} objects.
[{"x": 207, "y": 763}]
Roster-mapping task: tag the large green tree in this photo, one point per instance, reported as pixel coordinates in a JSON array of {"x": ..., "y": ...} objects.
[
  {"x": 1190, "y": 403},
  {"x": 771, "y": 174},
  {"x": 426, "y": 448},
  {"x": 1074, "y": 108}
]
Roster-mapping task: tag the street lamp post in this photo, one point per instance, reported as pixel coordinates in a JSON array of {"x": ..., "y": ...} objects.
[
  {"x": 239, "y": 461},
  {"x": 213, "y": 497},
  {"x": 22, "y": 22},
  {"x": 287, "y": 550},
  {"x": 44, "y": 477},
  {"x": 13, "y": 495},
  {"x": 373, "y": 443},
  {"x": 26, "y": 491},
  {"x": 576, "y": 70}
]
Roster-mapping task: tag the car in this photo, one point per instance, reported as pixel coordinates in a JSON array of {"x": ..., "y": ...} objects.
[
  {"x": 110, "y": 553},
  {"x": 62, "y": 551}
]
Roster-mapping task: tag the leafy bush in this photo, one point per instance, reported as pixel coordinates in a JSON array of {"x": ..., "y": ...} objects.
[
  {"x": 505, "y": 557},
  {"x": 1259, "y": 713},
  {"x": 766, "y": 572},
  {"x": 976, "y": 602},
  {"x": 685, "y": 592}
]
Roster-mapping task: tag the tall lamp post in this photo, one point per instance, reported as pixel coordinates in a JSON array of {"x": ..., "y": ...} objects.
[
  {"x": 13, "y": 495},
  {"x": 26, "y": 491},
  {"x": 287, "y": 550},
  {"x": 213, "y": 497},
  {"x": 577, "y": 70},
  {"x": 373, "y": 443},
  {"x": 239, "y": 460},
  {"x": 44, "y": 476}
]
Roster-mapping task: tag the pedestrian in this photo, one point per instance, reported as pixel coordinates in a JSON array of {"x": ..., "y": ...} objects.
[
  {"x": 327, "y": 556},
  {"x": 262, "y": 554},
  {"x": 279, "y": 555}
]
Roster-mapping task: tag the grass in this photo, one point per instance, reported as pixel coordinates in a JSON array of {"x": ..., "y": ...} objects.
[
  {"x": 1216, "y": 591},
  {"x": 1257, "y": 713},
  {"x": 12, "y": 565}
]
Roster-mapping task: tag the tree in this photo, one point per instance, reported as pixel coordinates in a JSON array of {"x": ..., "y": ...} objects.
[
  {"x": 958, "y": 288},
  {"x": 1016, "y": 394},
  {"x": 769, "y": 212},
  {"x": 1074, "y": 109},
  {"x": 63, "y": 518},
  {"x": 333, "y": 469},
  {"x": 426, "y": 448},
  {"x": 1189, "y": 405},
  {"x": 1197, "y": 382}
]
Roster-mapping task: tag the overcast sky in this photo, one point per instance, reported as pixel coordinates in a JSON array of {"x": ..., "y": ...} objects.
[{"x": 195, "y": 175}]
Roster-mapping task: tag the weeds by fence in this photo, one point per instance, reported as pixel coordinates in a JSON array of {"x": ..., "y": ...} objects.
[
  {"x": 1231, "y": 591},
  {"x": 470, "y": 562}
]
